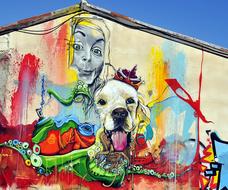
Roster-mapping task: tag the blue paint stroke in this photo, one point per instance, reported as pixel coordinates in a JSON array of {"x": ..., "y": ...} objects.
[
  {"x": 42, "y": 92},
  {"x": 176, "y": 60},
  {"x": 59, "y": 121},
  {"x": 175, "y": 107}
]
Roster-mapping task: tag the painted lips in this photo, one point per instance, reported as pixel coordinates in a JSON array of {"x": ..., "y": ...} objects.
[{"x": 85, "y": 72}]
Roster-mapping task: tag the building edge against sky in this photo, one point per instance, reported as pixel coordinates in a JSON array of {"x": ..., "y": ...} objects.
[{"x": 129, "y": 22}]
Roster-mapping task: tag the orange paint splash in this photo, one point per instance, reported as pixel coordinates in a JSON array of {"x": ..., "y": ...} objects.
[{"x": 57, "y": 45}]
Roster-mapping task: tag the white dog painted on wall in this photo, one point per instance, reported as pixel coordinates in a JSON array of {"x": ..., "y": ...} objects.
[{"x": 117, "y": 104}]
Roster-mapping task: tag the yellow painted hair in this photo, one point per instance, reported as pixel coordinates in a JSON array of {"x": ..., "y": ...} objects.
[{"x": 91, "y": 22}]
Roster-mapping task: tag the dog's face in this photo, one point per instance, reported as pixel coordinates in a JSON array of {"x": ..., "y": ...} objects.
[{"x": 117, "y": 103}]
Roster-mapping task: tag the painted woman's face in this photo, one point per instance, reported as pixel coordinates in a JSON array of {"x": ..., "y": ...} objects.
[{"x": 88, "y": 53}]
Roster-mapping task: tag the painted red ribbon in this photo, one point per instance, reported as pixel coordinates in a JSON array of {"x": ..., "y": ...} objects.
[{"x": 175, "y": 86}]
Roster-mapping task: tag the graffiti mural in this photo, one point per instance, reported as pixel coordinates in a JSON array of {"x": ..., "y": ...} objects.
[{"x": 89, "y": 102}]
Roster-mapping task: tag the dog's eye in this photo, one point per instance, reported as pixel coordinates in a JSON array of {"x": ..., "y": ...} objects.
[
  {"x": 130, "y": 101},
  {"x": 101, "y": 102}
]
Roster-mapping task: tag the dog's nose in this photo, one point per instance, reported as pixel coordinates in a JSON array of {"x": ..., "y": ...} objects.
[{"x": 119, "y": 113}]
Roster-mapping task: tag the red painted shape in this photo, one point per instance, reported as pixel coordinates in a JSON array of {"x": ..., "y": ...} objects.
[
  {"x": 50, "y": 146},
  {"x": 213, "y": 183},
  {"x": 203, "y": 182},
  {"x": 175, "y": 86},
  {"x": 26, "y": 81},
  {"x": 12, "y": 167},
  {"x": 61, "y": 47},
  {"x": 206, "y": 153},
  {"x": 61, "y": 39},
  {"x": 8, "y": 132},
  {"x": 56, "y": 143}
]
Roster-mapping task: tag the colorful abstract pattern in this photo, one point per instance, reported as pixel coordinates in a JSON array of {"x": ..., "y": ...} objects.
[{"x": 91, "y": 103}]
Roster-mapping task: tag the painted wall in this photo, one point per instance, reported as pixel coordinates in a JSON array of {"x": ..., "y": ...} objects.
[{"x": 86, "y": 102}]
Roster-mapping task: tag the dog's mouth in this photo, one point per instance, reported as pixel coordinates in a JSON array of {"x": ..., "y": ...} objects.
[
  {"x": 120, "y": 135},
  {"x": 119, "y": 140}
]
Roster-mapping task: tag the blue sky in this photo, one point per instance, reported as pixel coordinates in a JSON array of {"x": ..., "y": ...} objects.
[{"x": 206, "y": 20}]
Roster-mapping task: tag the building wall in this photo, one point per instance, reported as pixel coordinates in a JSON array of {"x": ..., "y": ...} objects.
[{"x": 88, "y": 102}]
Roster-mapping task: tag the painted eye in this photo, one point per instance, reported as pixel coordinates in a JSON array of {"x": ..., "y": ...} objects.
[
  {"x": 77, "y": 46},
  {"x": 102, "y": 102},
  {"x": 130, "y": 101},
  {"x": 97, "y": 51}
]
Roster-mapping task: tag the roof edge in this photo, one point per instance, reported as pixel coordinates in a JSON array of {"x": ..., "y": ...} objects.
[
  {"x": 39, "y": 19},
  {"x": 173, "y": 36},
  {"x": 118, "y": 18}
]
